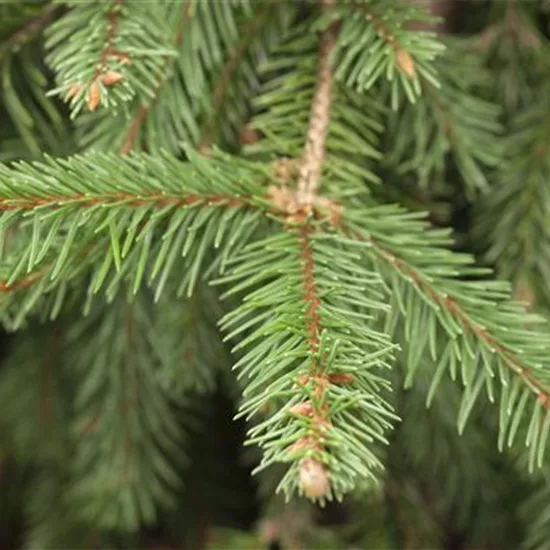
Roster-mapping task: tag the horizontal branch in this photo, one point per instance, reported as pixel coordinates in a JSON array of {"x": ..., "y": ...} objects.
[
  {"x": 127, "y": 199},
  {"x": 453, "y": 307}
]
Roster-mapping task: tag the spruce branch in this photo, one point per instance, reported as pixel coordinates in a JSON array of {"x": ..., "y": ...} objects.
[
  {"x": 375, "y": 42},
  {"x": 124, "y": 51},
  {"x": 116, "y": 221},
  {"x": 452, "y": 306},
  {"x": 514, "y": 46},
  {"x": 321, "y": 416},
  {"x": 314, "y": 385},
  {"x": 449, "y": 121},
  {"x": 205, "y": 100},
  {"x": 178, "y": 104},
  {"x": 487, "y": 335}
]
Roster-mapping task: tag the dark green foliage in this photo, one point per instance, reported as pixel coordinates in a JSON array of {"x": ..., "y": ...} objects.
[{"x": 198, "y": 222}]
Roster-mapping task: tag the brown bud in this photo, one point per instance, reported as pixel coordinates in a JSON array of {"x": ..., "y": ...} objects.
[
  {"x": 124, "y": 59},
  {"x": 341, "y": 378},
  {"x": 110, "y": 78},
  {"x": 249, "y": 135},
  {"x": 314, "y": 480},
  {"x": 303, "y": 409},
  {"x": 405, "y": 62},
  {"x": 94, "y": 96},
  {"x": 74, "y": 89},
  {"x": 302, "y": 444},
  {"x": 333, "y": 209},
  {"x": 284, "y": 169}
]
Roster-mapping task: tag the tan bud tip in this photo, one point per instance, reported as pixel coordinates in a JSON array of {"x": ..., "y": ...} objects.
[
  {"x": 341, "y": 378},
  {"x": 302, "y": 409},
  {"x": 94, "y": 96},
  {"x": 284, "y": 169},
  {"x": 314, "y": 480},
  {"x": 405, "y": 62},
  {"x": 74, "y": 89},
  {"x": 125, "y": 59},
  {"x": 301, "y": 445},
  {"x": 110, "y": 78}
]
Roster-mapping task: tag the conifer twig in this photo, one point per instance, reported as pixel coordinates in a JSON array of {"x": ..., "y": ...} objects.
[
  {"x": 405, "y": 62},
  {"x": 314, "y": 477}
]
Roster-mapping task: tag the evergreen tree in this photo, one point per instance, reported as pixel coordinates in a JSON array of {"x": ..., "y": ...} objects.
[{"x": 274, "y": 274}]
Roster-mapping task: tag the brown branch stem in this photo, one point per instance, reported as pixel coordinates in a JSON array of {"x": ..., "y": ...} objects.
[
  {"x": 157, "y": 199},
  {"x": 314, "y": 150},
  {"x": 310, "y": 292},
  {"x": 314, "y": 478}
]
